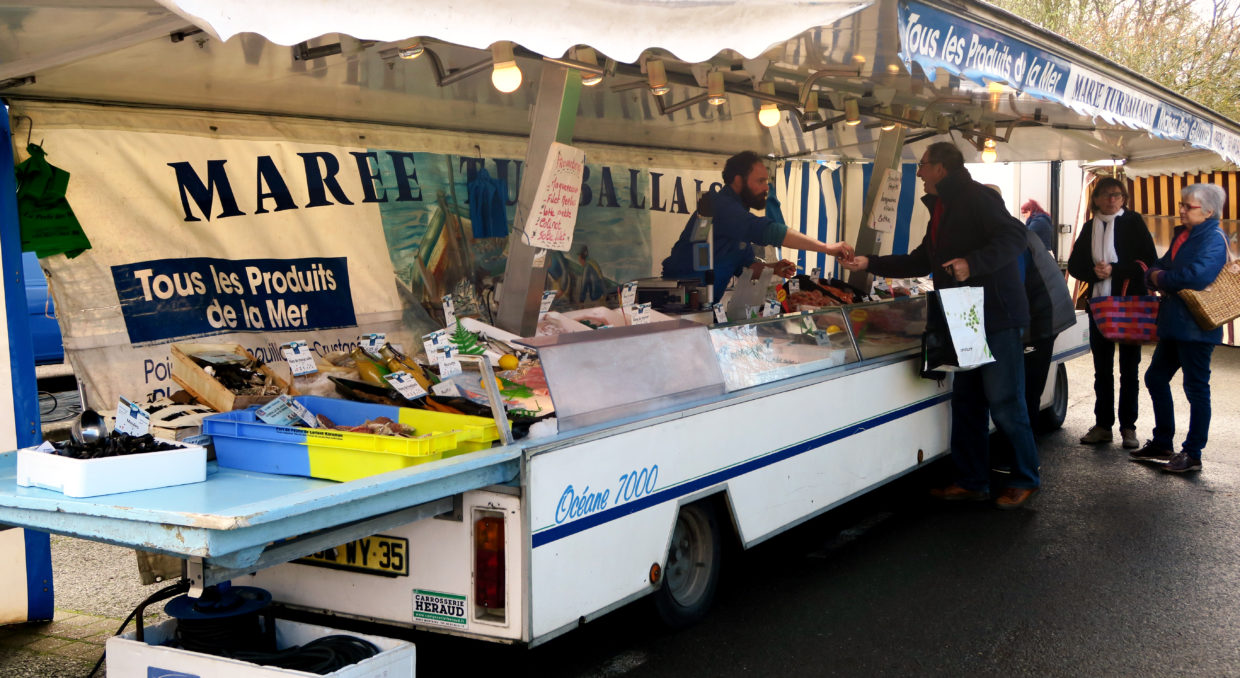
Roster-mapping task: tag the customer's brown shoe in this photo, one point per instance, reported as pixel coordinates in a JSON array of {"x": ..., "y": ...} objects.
[
  {"x": 1015, "y": 497},
  {"x": 955, "y": 492},
  {"x": 1096, "y": 436}
]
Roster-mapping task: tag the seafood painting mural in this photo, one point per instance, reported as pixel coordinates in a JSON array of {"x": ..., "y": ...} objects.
[{"x": 435, "y": 250}]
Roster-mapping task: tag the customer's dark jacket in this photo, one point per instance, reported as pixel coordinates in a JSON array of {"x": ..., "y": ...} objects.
[
  {"x": 1050, "y": 302},
  {"x": 1195, "y": 266},
  {"x": 978, "y": 228},
  {"x": 1133, "y": 243},
  {"x": 1040, "y": 224}
]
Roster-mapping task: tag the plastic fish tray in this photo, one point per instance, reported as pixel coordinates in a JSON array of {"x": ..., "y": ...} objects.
[
  {"x": 111, "y": 475},
  {"x": 242, "y": 441}
]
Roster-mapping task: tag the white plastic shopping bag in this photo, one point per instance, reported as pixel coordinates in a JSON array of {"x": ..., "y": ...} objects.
[{"x": 963, "y": 315}]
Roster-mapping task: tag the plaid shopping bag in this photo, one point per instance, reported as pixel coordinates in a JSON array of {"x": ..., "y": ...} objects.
[{"x": 1126, "y": 320}]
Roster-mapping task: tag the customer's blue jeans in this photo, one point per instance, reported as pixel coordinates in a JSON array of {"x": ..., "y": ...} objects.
[
  {"x": 1170, "y": 355},
  {"x": 997, "y": 391}
]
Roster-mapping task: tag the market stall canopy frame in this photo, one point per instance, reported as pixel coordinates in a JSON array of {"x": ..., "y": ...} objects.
[{"x": 961, "y": 68}]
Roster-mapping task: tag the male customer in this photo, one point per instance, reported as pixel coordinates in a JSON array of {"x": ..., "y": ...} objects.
[
  {"x": 973, "y": 241},
  {"x": 736, "y": 230}
]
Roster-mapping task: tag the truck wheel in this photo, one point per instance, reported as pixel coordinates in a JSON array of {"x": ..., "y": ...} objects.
[
  {"x": 692, "y": 571},
  {"x": 1052, "y": 417}
]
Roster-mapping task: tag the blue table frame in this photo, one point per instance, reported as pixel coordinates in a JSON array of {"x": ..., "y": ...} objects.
[{"x": 241, "y": 521}]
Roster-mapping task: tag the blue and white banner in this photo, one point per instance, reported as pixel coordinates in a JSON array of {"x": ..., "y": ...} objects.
[
  {"x": 935, "y": 39},
  {"x": 260, "y": 231},
  {"x": 196, "y": 296}
]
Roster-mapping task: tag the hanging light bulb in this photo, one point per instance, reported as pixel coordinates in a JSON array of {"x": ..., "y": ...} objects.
[
  {"x": 887, "y": 125},
  {"x": 586, "y": 56},
  {"x": 996, "y": 90},
  {"x": 411, "y": 51},
  {"x": 989, "y": 154},
  {"x": 656, "y": 75},
  {"x": 768, "y": 113},
  {"x": 852, "y": 113},
  {"x": 715, "y": 95},
  {"x": 504, "y": 72}
]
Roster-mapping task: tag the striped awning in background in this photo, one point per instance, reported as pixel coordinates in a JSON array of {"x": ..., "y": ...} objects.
[
  {"x": 1160, "y": 195},
  {"x": 807, "y": 193}
]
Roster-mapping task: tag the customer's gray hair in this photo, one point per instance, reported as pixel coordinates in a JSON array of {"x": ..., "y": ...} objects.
[{"x": 1210, "y": 196}]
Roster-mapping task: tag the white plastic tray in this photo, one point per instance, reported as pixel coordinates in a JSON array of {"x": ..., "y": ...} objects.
[
  {"x": 128, "y": 657},
  {"x": 110, "y": 475}
]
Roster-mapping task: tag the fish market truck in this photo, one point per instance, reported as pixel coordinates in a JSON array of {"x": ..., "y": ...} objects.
[{"x": 264, "y": 176}]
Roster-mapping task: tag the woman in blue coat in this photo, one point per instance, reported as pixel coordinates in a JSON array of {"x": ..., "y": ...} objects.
[{"x": 1197, "y": 254}]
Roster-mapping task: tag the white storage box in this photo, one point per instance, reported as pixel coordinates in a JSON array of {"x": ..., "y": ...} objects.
[
  {"x": 128, "y": 658},
  {"x": 109, "y": 475}
]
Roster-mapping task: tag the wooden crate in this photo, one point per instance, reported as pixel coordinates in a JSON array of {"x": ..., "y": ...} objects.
[{"x": 206, "y": 388}]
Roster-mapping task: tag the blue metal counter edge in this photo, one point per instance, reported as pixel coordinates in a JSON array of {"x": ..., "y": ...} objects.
[
  {"x": 39, "y": 595},
  {"x": 561, "y": 531}
]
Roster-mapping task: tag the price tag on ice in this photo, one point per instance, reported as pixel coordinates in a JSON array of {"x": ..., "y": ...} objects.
[
  {"x": 449, "y": 311},
  {"x": 721, "y": 316},
  {"x": 434, "y": 343},
  {"x": 547, "y": 299},
  {"x": 821, "y": 338},
  {"x": 448, "y": 362},
  {"x": 628, "y": 294},
  {"x": 299, "y": 358},
  {"x": 446, "y": 389},
  {"x": 640, "y": 314},
  {"x": 131, "y": 419},
  {"x": 794, "y": 286},
  {"x": 405, "y": 384},
  {"x": 284, "y": 411},
  {"x": 815, "y": 273},
  {"x": 770, "y": 309},
  {"x": 371, "y": 343},
  {"x": 751, "y": 312}
]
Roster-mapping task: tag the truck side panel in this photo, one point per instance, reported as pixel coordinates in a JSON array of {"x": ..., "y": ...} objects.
[{"x": 601, "y": 512}]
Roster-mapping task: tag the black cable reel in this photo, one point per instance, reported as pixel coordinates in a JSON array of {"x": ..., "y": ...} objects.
[{"x": 234, "y": 621}]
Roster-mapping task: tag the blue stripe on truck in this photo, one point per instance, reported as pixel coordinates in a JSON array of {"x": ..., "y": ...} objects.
[{"x": 558, "y": 532}]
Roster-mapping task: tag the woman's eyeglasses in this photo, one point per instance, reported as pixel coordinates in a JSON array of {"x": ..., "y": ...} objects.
[{"x": 1186, "y": 206}]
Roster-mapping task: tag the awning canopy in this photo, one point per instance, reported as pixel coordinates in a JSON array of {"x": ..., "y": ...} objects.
[{"x": 937, "y": 68}]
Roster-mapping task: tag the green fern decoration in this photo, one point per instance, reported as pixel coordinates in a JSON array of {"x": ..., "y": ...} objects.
[{"x": 465, "y": 341}]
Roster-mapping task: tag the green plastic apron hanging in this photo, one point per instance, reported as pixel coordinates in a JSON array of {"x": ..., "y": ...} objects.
[{"x": 48, "y": 225}]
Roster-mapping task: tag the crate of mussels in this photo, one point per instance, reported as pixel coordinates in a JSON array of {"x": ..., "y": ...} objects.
[
  {"x": 111, "y": 463},
  {"x": 225, "y": 376}
]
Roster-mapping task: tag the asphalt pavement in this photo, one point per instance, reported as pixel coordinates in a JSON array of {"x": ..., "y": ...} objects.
[{"x": 1116, "y": 569}]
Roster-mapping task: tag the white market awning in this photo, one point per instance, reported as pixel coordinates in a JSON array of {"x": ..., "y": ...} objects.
[
  {"x": 1038, "y": 96},
  {"x": 691, "y": 30}
]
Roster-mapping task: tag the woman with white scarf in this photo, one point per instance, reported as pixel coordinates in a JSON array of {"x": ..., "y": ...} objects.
[{"x": 1110, "y": 252}]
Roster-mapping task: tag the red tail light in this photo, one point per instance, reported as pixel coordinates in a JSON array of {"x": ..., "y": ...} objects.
[{"x": 489, "y": 563}]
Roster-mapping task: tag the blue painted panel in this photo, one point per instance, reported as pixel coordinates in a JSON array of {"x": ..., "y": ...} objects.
[{"x": 39, "y": 591}]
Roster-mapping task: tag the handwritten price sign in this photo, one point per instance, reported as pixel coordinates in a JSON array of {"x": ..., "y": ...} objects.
[{"x": 553, "y": 215}]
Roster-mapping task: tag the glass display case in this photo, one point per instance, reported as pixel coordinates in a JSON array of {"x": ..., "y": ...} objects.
[
  {"x": 763, "y": 350},
  {"x": 891, "y": 326}
]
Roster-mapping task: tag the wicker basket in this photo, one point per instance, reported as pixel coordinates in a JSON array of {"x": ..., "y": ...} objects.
[{"x": 1219, "y": 302}]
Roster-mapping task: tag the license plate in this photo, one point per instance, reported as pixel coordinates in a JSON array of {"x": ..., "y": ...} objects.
[{"x": 379, "y": 555}]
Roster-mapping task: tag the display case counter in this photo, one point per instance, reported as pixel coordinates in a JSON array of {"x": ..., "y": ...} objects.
[{"x": 763, "y": 350}]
